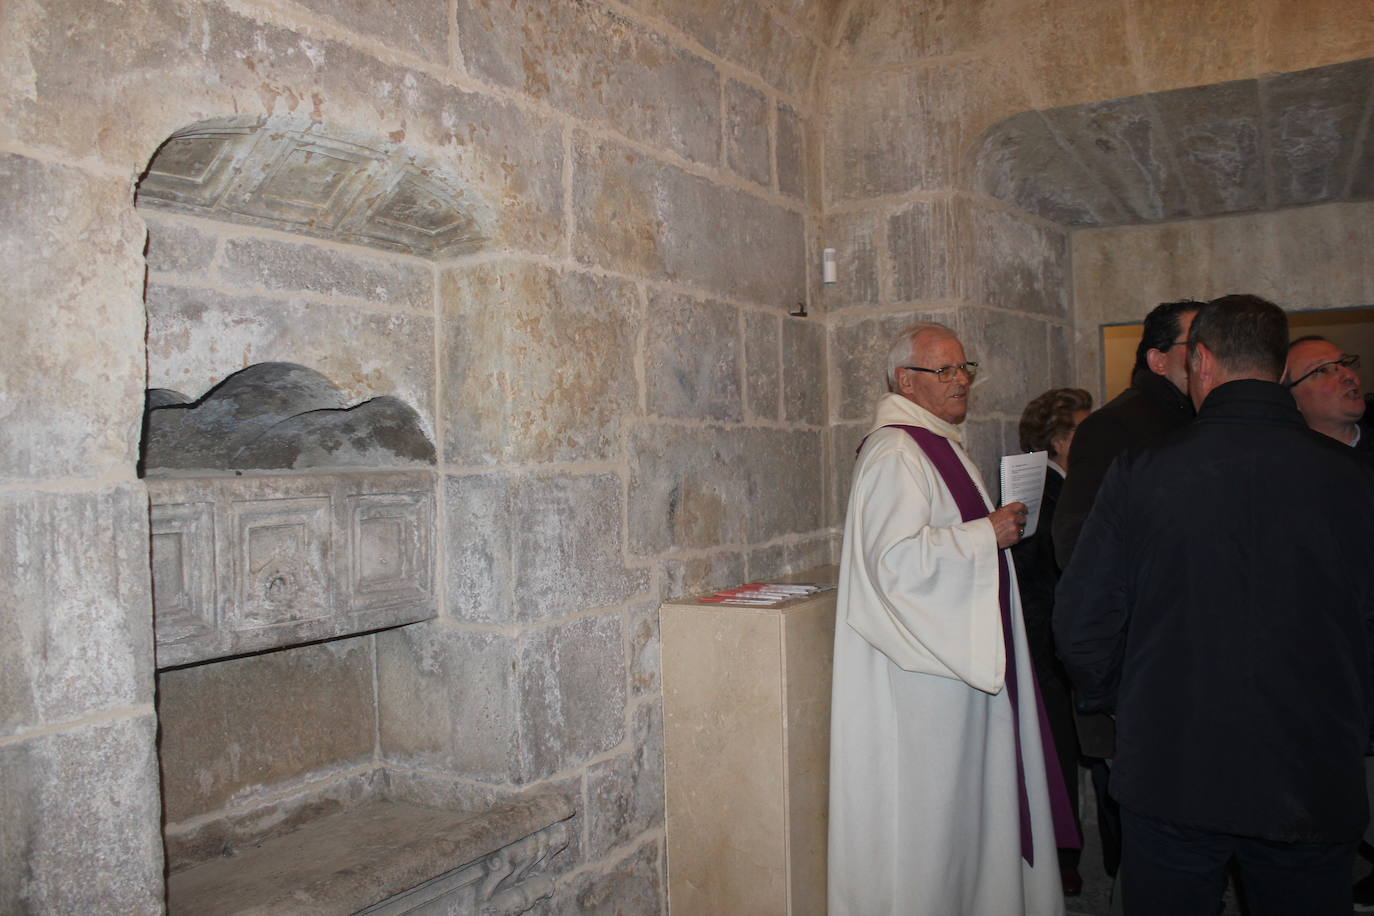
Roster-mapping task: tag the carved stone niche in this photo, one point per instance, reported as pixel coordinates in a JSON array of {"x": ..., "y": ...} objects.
[{"x": 245, "y": 559}]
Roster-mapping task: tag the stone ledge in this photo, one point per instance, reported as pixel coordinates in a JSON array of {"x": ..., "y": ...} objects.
[{"x": 389, "y": 857}]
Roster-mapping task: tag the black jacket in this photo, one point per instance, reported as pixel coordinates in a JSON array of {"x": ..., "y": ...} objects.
[
  {"x": 1149, "y": 409},
  {"x": 1037, "y": 574},
  {"x": 1221, "y": 601}
]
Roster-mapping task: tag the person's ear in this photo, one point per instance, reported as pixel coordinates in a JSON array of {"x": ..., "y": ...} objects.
[{"x": 1157, "y": 360}]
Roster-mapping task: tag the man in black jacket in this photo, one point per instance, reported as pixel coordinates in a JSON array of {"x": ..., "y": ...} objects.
[
  {"x": 1221, "y": 604},
  {"x": 1156, "y": 403}
]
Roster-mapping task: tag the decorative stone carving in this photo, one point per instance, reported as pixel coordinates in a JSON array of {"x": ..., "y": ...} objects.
[
  {"x": 242, "y": 564},
  {"x": 309, "y": 178},
  {"x": 279, "y": 416}
]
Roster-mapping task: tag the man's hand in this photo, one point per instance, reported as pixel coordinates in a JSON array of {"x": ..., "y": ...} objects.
[{"x": 1008, "y": 522}]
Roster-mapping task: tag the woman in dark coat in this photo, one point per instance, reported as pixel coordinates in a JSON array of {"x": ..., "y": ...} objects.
[{"x": 1047, "y": 425}]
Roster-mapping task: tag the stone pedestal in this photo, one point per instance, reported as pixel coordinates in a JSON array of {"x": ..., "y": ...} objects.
[{"x": 746, "y": 700}]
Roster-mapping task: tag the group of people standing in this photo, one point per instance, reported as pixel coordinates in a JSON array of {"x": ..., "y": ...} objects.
[{"x": 1194, "y": 617}]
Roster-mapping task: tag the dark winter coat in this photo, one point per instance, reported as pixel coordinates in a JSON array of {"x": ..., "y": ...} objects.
[{"x": 1221, "y": 602}]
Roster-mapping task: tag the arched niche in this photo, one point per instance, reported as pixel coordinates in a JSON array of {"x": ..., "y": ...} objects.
[
  {"x": 318, "y": 180},
  {"x": 1281, "y": 140}
]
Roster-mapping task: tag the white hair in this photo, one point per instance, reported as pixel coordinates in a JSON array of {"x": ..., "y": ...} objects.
[{"x": 903, "y": 349}]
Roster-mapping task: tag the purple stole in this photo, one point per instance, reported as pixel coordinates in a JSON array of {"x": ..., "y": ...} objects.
[{"x": 972, "y": 506}]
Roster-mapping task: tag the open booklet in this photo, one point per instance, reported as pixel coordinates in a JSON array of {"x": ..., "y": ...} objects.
[{"x": 1023, "y": 481}]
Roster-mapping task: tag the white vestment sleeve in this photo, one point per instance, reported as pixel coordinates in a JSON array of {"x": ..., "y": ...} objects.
[{"x": 931, "y": 602}]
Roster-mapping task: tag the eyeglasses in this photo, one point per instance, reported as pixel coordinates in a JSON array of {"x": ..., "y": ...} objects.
[
  {"x": 1324, "y": 370},
  {"x": 1176, "y": 343},
  {"x": 948, "y": 373}
]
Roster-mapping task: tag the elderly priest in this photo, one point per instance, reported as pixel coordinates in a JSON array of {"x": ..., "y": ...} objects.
[{"x": 945, "y": 793}]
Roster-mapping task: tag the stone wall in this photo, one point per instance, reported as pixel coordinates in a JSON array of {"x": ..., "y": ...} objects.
[{"x": 624, "y": 409}]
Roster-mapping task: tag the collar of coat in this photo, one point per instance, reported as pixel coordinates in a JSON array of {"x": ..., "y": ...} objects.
[
  {"x": 1251, "y": 399},
  {"x": 1160, "y": 391},
  {"x": 893, "y": 409}
]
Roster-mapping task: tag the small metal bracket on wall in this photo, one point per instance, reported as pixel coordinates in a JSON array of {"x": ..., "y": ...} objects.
[{"x": 799, "y": 311}]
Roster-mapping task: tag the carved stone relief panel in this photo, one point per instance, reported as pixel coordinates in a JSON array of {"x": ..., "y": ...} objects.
[
  {"x": 310, "y": 178},
  {"x": 243, "y": 564}
]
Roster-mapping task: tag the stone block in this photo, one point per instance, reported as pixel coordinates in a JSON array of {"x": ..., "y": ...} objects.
[
  {"x": 803, "y": 371},
  {"x": 924, "y": 241},
  {"x": 567, "y": 552},
  {"x": 179, "y": 246},
  {"x": 559, "y": 349},
  {"x": 761, "y": 368},
  {"x": 1215, "y": 131},
  {"x": 696, "y": 575},
  {"x": 856, "y": 238},
  {"x": 783, "y": 474},
  {"x": 625, "y": 793},
  {"x": 983, "y": 442},
  {"x": 1062, "y": 365},
  {"x": 76, "y": 632},
  {"x": 261, "y": 263},
  {"x": 79, "y": 821},
  {"x": 748, "y": 33},
  {"x": 634, "y": 884},
  {"x": 1023, "y": 161},
  {"x": 895, "y": 131},
  {"x": 197, "y": 337},
  {"x": 645, "y": 653},
  {"x": 643, "y": 217},
  {"x": 687, "y": 488},
  {"x": 226, "y": 735},
  {"x": 877, "y": 33},
  {"x": 71, "y": 317},
  {"x": 779, "y": 560},
  {"x": 1013, "y": 360},
  {"x": 844, "y": 440},
  {"x": 1075, "y": 52},
  {"x": 746, "y": 133},
  {"x": 791, "y": 152},
  {"x": 1307, "y": 139},
  {"x": 571, "y": 689},
  {"x": 446, "y": 699},
  {"x": 692, "y": 359},
  {"x": 1121, "y": 142},
  {"x": 478, "y": 546},
  {"x": 1303, "y": 34},
  {"x": 1193, "y": 44},
  {"x": 859, "y": 353},
  {"x": 1021, "y": 263},
  {"x": 416, "y": 27},
  {"x": 595, "y": 64}
]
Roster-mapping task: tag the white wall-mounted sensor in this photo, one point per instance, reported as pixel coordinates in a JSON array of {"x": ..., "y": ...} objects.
[{"x": 828, "y": 265}]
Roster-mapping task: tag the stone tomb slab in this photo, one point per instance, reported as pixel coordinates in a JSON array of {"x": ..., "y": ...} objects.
[{"x": 389, "y": 857}]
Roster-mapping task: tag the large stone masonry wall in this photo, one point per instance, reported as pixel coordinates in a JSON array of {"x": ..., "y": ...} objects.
[
  {"x": 623, "y": 407},
  {"x": 906, "y": 96}
]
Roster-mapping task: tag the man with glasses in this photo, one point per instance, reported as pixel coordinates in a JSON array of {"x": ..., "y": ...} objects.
[
  {"x": 1326, "y": 385},
  {"x": 943, "y": 775},
  {"x": 1221, "y": 604}
]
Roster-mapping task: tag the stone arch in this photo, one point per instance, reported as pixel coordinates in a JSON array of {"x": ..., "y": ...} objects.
[{"x": 1275, "y": 141}]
